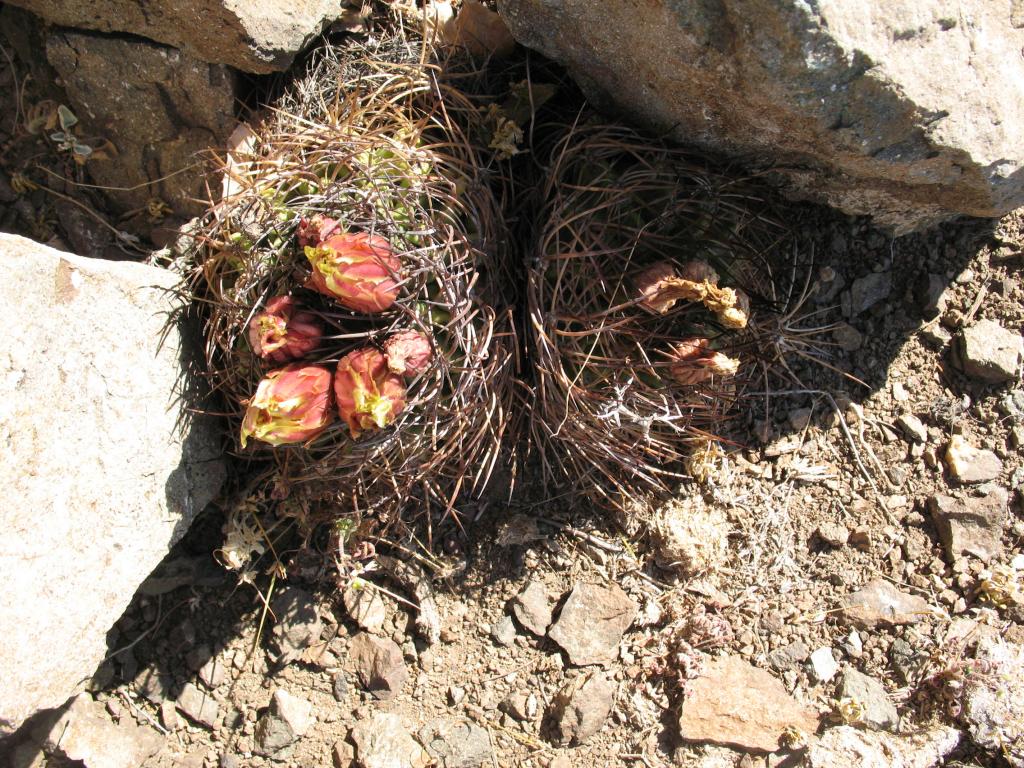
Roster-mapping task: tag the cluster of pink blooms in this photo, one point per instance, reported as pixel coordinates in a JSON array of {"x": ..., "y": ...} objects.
[{"x": 293, "y": 404}]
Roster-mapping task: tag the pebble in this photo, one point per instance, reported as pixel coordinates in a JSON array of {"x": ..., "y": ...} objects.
[
  {"x": 503, "y": 631},
  {"x": 867, "y": 291},
  {"x": 847, "y": 337},
  {"x": 969, "y": 464},
  {"x": 339, "y": 686},
  {"x": 823, "y": 664},
  {"x": 879, "y": 711},
  {"x": 592, "y": 623},
  {"x": 581, "y": 707},
  {"x": 880, "y": 603},
  {"x": 365, "y": 606},
  {"x": 382, "y": 740},
  {"x": 379, "y": 664},
  {"x": 287, "y": 720},
  {"x": 990, "y": 353},
  {"x": 456, "y": 744},
  {"x": 834, "y": 534},
  {"x": 298, "y": 623},
  {"x": 852, "y": 644},
  {"x": 913, "y": 428},
  {"x": 972, "y": 526},
  {"x": 169, "y": 717},
  {"x": 198, "y": 706},
  {"x": 532, "y": 608},
  {"x": 849, "y": 746}
]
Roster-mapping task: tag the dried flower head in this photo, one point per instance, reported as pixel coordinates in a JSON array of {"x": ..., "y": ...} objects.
[
  {"x": 738, "y": 315},
  {"x": 369, "y": 395},
  {"x": 291, "y": 405},
  {"x": 280, "y": 333},
  {"x": 408, "y": 353},
  {"x": 357, "y": 269},
  {"x": 316, "y": 229},
  {"x": 694, "y": 362}
]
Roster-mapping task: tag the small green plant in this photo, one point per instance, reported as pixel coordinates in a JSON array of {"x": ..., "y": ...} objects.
[{"x": 66, "y": 139}]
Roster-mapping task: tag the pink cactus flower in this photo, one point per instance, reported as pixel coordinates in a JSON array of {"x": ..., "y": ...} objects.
[
  {"x": 280, "y": 333},
  {"x": 408, "y": 353},
  {"x": 694, "y": 362},
  {"x": 291, "y": 405},
  {"x": 369, "y": 395},
  {"x": 356, "y": 269}
]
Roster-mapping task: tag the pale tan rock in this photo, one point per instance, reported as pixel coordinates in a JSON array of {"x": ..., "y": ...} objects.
[
  {"x": 848, "y": 746},
  {"x": 735, "y": 704}
]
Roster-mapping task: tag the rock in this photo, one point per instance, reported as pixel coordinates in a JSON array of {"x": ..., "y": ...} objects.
[
  {"x": 504, "y": 631},
  {"x": 298, "y": 623},
  {"x": 343, "y": 754},
  {"x": 198, "y": 706},
  {"x": 735, "y": 704},
  {"x": 850, "y": 746},
  {"x": 969, "y": 464},
  {"x": 863, "y": 103},
  {"x": 580, "y": 708},
  {"x": 383, "y": 741},
  {"x": 993, "y": 701},
  {"x": 879, "y": 603},
  {"x": 913, "y": 428},
  {"x": 973, "y": 526},
  {"x": 287, "y": 720},
  {"x": 592, "y": 623},
  {"x": 456, "y": 693},
  {"x": 212, "y": 673},
  {"x": 480, "y": 30},
  {"x": 457, "y": 745},
  {"x": 788, "y": 656},
  {"x": 379, "y": 663},
  {"x": 167, "y": 108},
  {"x": 879, "y": 712},
  {"x": 84, "y": 735},
  {"x": 93, "y": 455},
  {"x": 520, "y": 705},
  {"x": 823, "y": 665},
  {"x": 169, "y": 717},
  {"x": 847, "y": 337},
  {"x": 905, "y": 659},
  {"x": 258, "y": 37},
  {"x": 989, "y": 352},
  {"x": 869, "y": 290},
  {"x": 365, "y": 606},
  {"x": 532, "y": 608},
  {"x": 690, "y": 537},
  {"x": 833, "y": 534},
  {"x": 339, "y": 686}
]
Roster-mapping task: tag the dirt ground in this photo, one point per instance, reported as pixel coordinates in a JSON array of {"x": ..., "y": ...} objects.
[{"x": 827, "y": 490}]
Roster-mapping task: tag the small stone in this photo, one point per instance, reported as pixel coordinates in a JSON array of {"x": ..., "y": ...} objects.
[
  {"x": 847, "y": 337},
  {"x": 592, "y": 623},
  {"x": 913, "y": 428},
  {"x": 789, "y": 656},
  {"x": 84, "y": 735},
  {"x": 862, "y": 539},
  {"x": 343, "y": 754},
  {"x": 990, "y": 353},
  {"x": 880, "y": 603},
  {"x": 169, "y": 717},
  {"x": 298, "y": 622},
  {"x": 456, "y": 694},
  {"x": 379, "y": 664},
  {"x": 904, "y": 659},
  {"x": 969, "y": 464},
  {"x": 936, "y": 335},
  {"x": 365, "y": 606},
  {"x": 503, "y": 631},
  {"x": 973, "y": 526},
  {"x": 735, "y": 704},
  {"x": 580, "y": 708},
  {"x": 457, "y": 745},
  {"x": 879, "y": 711},
  {"x": 849, "y": 746},
  {"x": 339, "y": 686},
  {"x": 823, "y": 665},
  {"x": 154, "y": 685},
  {"x": 833, "y": 534},
  {"x": 212, "y": 673},
  {"x": 853, "y": 645},
  {"x": 382, "y": 740},
  {"x": 198, "y": 706},
  {"x": 993, "y": 702},
  {"x": 518, "y": 706},
  {"x": 532, "y": 608},
  {"x": 869, "y": 290},
  {"x": 800, "y": 418},
  {"x": 287, "y": 720}
]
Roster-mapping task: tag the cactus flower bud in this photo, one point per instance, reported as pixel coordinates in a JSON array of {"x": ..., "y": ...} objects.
[
  {"x": 369, "y": 395},
  {"x": 291, "y": 405},
  {"x": 408, "y": 353},
  {"x": 280, "y": 334},
  {"x": 357, "y": 269},
  {"x": 316, "y": 229},
  {"x": 693, "y": 362}
]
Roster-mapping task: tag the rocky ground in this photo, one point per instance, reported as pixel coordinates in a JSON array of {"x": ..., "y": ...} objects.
[{"x": 844, "y": 588}]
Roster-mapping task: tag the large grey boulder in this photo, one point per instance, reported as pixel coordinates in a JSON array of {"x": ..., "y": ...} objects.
[
  {"x": 161, "y": 108},
  {"x": 253, "y": 35},
  {"x": 910, "y": 111},
  {"x": 101, "y": 474}
]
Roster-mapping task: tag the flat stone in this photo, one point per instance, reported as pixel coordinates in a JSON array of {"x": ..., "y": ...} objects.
[
  {"x": 913, "y": 428},
  {"x": 990, "y": 353},
  {"x": 847, "y": 337},
  {"x": 869, "y": 290},
  {"x": 383, "y": 741},
  {"x": 92, "y": 455},
  {"x": 581, "y": 707},
  {"x": 84, "y": 735},
  {"x": 298, "y": 623},
  {"x": 198, "y": 706},
  {"x": 865, "y": 103},
  {"x": 735, "y": 704},
  {"x": 503, "y": 631},
  {"x": 169, "y": 717},
  {"x": 879, "y": 711},
  {"x": 365, "y": 607},
  {"x": 969, "y": 464},
  {"x": 789, "y": 656},
  {"x": 879, "y": 603},
  {"x": 379, "y": 664},
  {"x": 993, "y": 702},
  {"x": 833, "y": 534},
  {"x": 592, "y": 622},
  {"x": 973, "y": 526},
  {"x": 532, "y": 608},
  {"x": 848, "y": 746},
  {"x": 258, "y": 36},
  {"x": 287, "y": 720},
  {"x": 457, "y": 744},
  {"x": 823, "y": 664}
]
